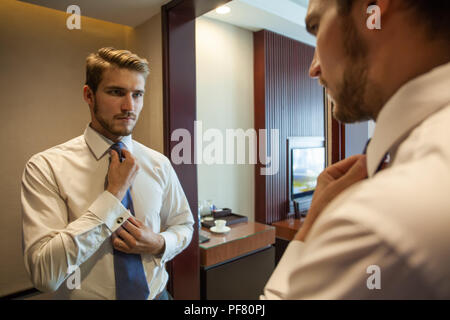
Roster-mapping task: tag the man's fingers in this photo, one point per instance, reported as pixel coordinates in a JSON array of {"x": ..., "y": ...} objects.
[
  {"x": 356, "y": 173},
  {"x": 344, "y": 165},
  {"x": 136, "y": 222},
  {"x": 340, "y": 168},
  {"x": 128, "y": 238},
  {"x": 125, "y": 153},
  {"x": 346, "y": 173},
  {"x": 114, "y": 156},
  {"x": 133, "y": 230},
  {"x": 119, "y": 244},
  {"x": 128, "y": 157}
]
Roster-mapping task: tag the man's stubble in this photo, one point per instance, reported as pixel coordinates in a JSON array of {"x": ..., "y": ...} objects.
[{"x": 358, "y": 98}]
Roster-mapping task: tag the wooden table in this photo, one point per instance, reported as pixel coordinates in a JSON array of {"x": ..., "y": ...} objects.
[
  {"x": 241, "y": 239},
  {"x": 286, "y": 229}
]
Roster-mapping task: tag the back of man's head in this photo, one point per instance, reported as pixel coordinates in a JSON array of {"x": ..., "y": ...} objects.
[{"x": 98, "y": 62}]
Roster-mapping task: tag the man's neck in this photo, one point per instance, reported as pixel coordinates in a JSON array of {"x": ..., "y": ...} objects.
[
  {"x": 100, "y": 130},
  {"x": 409, "y": 62}
]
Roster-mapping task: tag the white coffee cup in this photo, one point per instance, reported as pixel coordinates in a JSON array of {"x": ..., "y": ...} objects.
[{"x": 220, "y": 224}]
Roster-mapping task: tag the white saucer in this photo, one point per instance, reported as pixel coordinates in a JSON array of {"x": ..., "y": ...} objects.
[{"x": 224, "y": 230}]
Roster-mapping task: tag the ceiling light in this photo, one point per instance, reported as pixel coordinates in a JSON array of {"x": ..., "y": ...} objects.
[{"x": 223, "y": 10}]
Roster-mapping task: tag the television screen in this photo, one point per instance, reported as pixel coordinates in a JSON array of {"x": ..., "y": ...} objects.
[{"x": 307, "y": 164}]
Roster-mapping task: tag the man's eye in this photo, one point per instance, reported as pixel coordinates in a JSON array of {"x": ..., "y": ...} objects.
[
  {"x": 138, "y": 94},
  {"x": 116, "y": 92},
  {"x": 314, "y": 28}
]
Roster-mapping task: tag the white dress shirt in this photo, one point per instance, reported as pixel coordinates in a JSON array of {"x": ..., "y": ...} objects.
[
  {"x": 397, "y": 220},
  {"x": 68, "y": 217}
]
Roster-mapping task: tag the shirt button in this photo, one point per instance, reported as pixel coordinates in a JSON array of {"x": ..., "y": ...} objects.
[{"x": 119, "y": 221}]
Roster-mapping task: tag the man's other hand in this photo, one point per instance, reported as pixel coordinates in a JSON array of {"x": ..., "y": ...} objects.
[
  {"x": 330, "y": 183},
  {"x": 121, "y": 174},
  {"x": 135, "y": 237}
]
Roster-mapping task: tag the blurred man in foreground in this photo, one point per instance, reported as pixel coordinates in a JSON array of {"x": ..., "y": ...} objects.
[{"x": 385, "y": 237}]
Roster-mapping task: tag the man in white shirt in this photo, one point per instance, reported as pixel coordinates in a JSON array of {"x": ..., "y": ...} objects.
[
  {"x": 75, "y": 223},
  {"x": 384, "y": 237}
]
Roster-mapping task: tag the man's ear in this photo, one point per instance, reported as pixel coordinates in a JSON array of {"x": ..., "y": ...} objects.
[
  {"x": 383, "y": 5},
  {"x": 88, "y": 95},
  {"x": 375, "y": 11}
]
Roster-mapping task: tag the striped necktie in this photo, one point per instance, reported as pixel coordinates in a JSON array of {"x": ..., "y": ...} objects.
[{"x": 131, "y": 283}]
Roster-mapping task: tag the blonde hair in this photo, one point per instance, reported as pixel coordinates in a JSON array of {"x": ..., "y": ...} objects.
[{"x": 104, "y": 58}]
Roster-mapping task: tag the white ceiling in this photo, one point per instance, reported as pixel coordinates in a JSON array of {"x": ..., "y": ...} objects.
[
  {"x": 285, "y": 17},
  {"x": 127, "y": 12}
]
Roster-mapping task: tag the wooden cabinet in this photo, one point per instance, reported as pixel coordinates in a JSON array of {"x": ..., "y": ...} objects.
[{"x": 238, "y": 264}]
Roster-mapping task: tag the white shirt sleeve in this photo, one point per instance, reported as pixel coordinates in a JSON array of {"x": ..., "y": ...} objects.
[
  {"x": 176, "y": 218},
  {"x": 335, "y": 263},
  {"x": 51, "y": 244}
]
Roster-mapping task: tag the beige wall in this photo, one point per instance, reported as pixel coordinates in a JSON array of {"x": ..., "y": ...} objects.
[
  {"x": 146, "y": 41},
  {"x": 225, "y": 101},
  {"x": 42, "y": 74}
]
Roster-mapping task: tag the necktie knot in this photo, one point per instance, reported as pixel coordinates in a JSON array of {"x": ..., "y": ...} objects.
[{"x": 118, "y": 146}]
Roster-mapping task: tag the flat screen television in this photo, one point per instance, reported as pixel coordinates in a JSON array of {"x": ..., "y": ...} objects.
[
  {"x": 307, "y": 164},
  {"x": 307, "y": 158}
]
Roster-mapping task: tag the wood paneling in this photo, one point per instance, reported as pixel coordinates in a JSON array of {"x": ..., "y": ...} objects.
[
  {"x": 179, "y": 104},
  {"x": 260, "y": 120},
  {"x": 287, "y": 100}
]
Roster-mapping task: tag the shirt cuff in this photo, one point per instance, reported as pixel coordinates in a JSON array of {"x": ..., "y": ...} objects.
[
  {"x": 170, "y": 245},
  {"x": 110, "y": 210}
]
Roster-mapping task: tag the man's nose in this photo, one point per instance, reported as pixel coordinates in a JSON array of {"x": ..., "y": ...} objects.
[
  {"x": 128, "y": 103},
  {"x": 314, "y": 69}
]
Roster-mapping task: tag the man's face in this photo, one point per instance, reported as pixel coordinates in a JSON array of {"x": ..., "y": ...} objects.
[
  {"x": 117, "y": 103},
  {"x": 341, "y": 62}
]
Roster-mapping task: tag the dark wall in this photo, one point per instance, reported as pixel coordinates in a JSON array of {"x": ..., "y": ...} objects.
[
  {"x": 288, "y": 100},
  {"x": 178, "y": 25}
]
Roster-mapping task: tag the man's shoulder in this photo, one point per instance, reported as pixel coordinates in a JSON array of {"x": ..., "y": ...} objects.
[
  {"x": 59, "y": 151},
  {"x": 434, "y": 129},
  {"x": 425, "y": 144},
  {"x": 406, "y": 205},
  {"x": 151, "y": 155}
]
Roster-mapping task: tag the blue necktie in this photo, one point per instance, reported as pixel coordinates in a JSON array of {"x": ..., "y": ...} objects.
[
  {"x": 386, "y": 156},
  {"x": 131, "y": 283}
]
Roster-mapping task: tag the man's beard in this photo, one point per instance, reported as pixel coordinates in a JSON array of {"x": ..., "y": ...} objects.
[
  {"x": 109, "y": 125},
  {"x": 357, "y": 97}
]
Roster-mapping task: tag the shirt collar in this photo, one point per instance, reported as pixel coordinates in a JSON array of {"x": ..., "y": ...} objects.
[
  {"x": 99, "y": 144},
  {"x": 407, "y": 108}
]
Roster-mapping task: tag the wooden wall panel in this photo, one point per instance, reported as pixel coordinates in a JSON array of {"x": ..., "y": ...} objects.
[
  {"x": 286, "y": 99},
  {"x": 178, "y": 24},
  {"x": 260, "y": 120}
]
